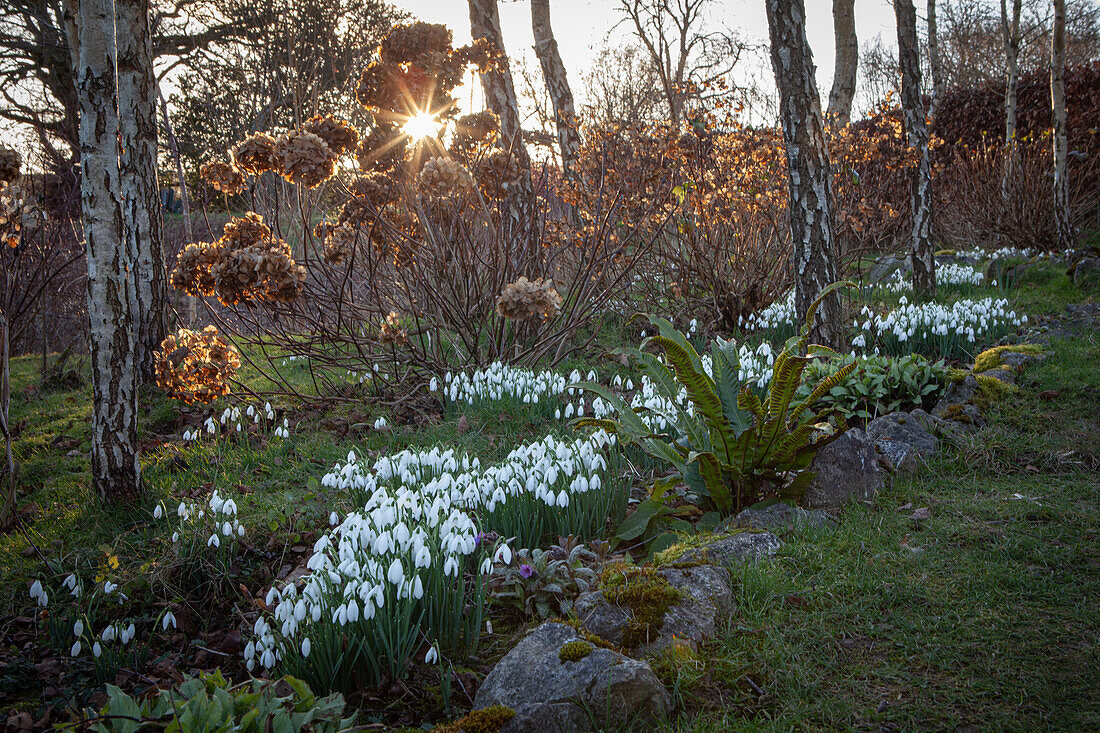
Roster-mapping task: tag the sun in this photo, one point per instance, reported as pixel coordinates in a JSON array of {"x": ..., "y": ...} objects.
[{"x": 420, "y": 126}]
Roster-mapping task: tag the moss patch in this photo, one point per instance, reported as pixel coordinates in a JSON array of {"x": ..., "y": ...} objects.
[
  {"x": 992, "y": 389},
  {"x": 645, "y": 593},
  {"x": 574, "y": 651},
  {"x": 991, "y": 358},
  {"x": 486, "y": 720}
]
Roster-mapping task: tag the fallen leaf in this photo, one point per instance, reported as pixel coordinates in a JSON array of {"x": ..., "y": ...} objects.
[
  {"x": 463, "y": 425},
  {"x": 922, "y": 513}
]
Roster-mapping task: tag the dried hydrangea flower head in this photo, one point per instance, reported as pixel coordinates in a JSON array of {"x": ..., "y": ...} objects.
[
  {"x": 498, "y": 172},
  {"x": 304, "y": 158},
  {"x": 337, "y": 132},
  {"x": 475, "y": 132},
  {"x": 445, "y": 177},
  {"x": 525, "y": 299},
  {"x": 11, "y": 164},
  {"x": 383, "y": 149},
  {"x": 339, "y": 243},
  {"x": 255, "y": 154},
  {"x": 245, "y": 231},
  {"x": 196, "y": 367},
  {"x": 224, "y": 177},
  {"x": 391, "y": 332},
  {"x": 192, "y": 273}
]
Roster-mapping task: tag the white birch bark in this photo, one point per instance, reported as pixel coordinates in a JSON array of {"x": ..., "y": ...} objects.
[
  {"x": 921, "y": 250},
  {"x": 808, "y": 167},
  {"x": 847, "y": 62},
  {"x": 934, "y": 58},
  {"x": 1063, "y": 227},
  {"x": 116, "y": 472},
  {"x": 557, "y": 83},
  {"x": 500, "y": 91},
  {"x": 141, "y": 216}
]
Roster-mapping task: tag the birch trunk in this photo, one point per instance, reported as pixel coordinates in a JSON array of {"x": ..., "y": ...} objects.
[
  {"x": 935, "y": 61},
  {"x": 921, "y": 250},
  {"x": 1063, "y": 228},
  {"x": 116, "y": 473},
  {"x": 141, "y": 217},
  {"x": 1010, "y": 30},
  {"x": 808, "y": 167},
  {"x": 500, "y": 92},
  {"x": 557, "y": 83},
  {"x": 847, "y": 62}
]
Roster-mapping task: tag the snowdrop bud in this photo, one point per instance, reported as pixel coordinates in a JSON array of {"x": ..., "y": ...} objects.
[
  {"x": 432, "y": 656},
  {"x": 78, "y": 628},
  {"x": 158, "y": 512},
  {"x": 75, "y": 651},
  {"x": 96, "y": 650},
  {"x": 305, "y": 647},
  {"x": 396, "y": 573},
  {"x": 169, "y": 619}
]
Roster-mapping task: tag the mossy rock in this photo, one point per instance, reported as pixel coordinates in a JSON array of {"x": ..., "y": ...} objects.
[
  {"x": 992, "y": 389},
  {"x": 646, "y": 593},
  {"x": 994, "y": 358}
]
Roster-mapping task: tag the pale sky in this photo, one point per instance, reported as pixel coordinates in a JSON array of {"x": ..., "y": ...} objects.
[{"x": 583, "y": 25}]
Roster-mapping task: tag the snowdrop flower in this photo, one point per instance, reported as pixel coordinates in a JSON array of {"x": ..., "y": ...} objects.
[
  {"x": 78, "y": 628},
  {"x": 168, "y": 620},
  {"x": 380, "y": 423},
  {"x": 503, "y": 555},
  {"x": 213, "y": 541},
  {"x": 158, "y": 511},
  {"x": 75, "y": 650},
  {"x": 96, "y": 650},
  {"x": 305, "y": 647},
  {"x": 432, "y": 656},
  {"x": 109, "y": 587}
]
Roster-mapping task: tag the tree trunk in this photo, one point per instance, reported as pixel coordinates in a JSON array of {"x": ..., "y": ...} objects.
[
  {"x": 500, "y": 92},
  {"x": 1064, "y": 236},
  {"x": 847, "y": 62},
  {"x": 116, "y": 472},
  {"x": 141, "y": 217},
  {"x": 808, "y": 167},
  {"x": 1010, "y": 29},
  {"x": 557, "y": 83},
  {"x": 934, "y": 59},
  {"x": 920, "y": 239}
]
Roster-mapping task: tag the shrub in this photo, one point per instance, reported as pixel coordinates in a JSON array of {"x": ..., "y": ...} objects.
[{"x": 730, "y": 446}]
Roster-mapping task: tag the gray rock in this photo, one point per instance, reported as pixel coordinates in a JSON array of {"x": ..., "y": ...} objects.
[
  {"x": 958, "y": 404},
  {"x": 604, "y": 689},
  {"x": 901, "y": 440},
  {"x": 1001, "y": 375},
  {"x": 777, "y": 517},
  {"x": 884, "y": 269},
  {"x": 707, "y": 601},
  {"x": 737, "y": 548},
  {"x": 847, "y": 471},
  {"x": 1086, "y": 269}
]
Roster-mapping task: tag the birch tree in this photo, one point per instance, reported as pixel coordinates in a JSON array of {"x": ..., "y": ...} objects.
[
  {"x": 1063, "y": 228},
  {"x": 921, "y": 250},
  {"x": 807, "y": 167},
  {"x": 141, "y": 219},
  {"x": 847, "y": 61},
  {"x": 557, "y": 83},
  {"x": 116, "y": 472},
  {"x": 500, "y": 91},
  {"x": 935, "y": 61},
  {"x": 1010, "y": 31}
]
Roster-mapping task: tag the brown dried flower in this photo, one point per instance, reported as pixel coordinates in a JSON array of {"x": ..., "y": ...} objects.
[
  {"x": 498, "y": 171},
  {"x": 337, "y": 132},
  {"x": 245, "y": 231},
  {"x": 416, "y": 43},
  {"x": 391, "y": 332},
  {"x": 192, "y": 273},
  {"x": 304, "y": 158},
  {"x": 339, "y": 244},
  {"x": 382, "y": 149},
  {"x": 255, "y": 154},
  {"x": 11, "y": 163},
  {"x": 196, "y": 367},
  {"x": 445, "y": 177},
  {"x": 224, "y": 177},
  {"x": 526, "y": 299}
]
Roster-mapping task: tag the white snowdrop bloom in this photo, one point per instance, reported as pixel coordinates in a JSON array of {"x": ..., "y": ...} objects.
[
  {"x": 380, "y": 423},
  {"x": 109, "y": 587},
  {"x": 503, "y": 555},
  {"x": 433, "y": 386},
  {"x": 96, "y": 650},
  {"x": 396, "y": 572},
  {"x": 168, "y": 620},
  {"x": 78, "y": 628},
  {"x": 108, "y": 634},
  {"x": 69, "y": 582},
  {"x": 305, "y": 647},
  {"x": 432, "y": 656},
  {"x": 213, "y": 541},
  {"x": 158, "y": 511},
  {"x": 75, "y": 650}
]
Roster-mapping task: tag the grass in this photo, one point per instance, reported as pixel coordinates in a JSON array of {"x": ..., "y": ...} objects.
[{"x": 983, "y": 617}]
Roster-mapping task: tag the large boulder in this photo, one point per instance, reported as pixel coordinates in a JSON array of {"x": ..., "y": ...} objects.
[
  {"x": 959, "y": 403},
  {"x": 734, "y": 547},
  {"x": 847, "y": 470},
  {"x": 705, "y": 601},
  {"x": 578, "y": 689},
  {"x": 776, "y": 517},
  {"x": 1085, "y": 270},
  {"x": 902, "y": 440}
]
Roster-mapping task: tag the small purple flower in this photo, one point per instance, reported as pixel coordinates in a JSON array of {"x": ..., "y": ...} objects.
[
  {"x": 526, "y": 570},
  {"x": 479, "y": 539}
]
